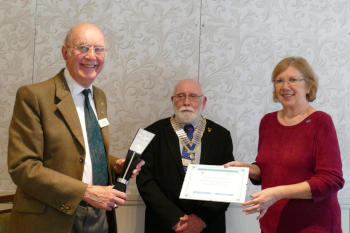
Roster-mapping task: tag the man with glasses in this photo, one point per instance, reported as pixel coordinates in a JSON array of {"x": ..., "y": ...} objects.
[
  {"x": 184, "y": 138},
  {"x": 58, "y": 147}
]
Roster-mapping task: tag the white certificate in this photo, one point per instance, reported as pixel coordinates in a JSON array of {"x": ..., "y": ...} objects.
[{"x": 215, "y": 183}]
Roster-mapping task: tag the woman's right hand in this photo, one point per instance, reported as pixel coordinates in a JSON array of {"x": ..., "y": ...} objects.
[
  {"x": 236, "y": 164},
  {"x": 254, "y": 170}
]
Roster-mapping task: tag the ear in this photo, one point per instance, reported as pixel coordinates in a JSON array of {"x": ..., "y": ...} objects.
[
  {"x": 204, "y": 102},
  {"x": 64, "y": 51},
  {"x": 172, "y": 99},
  {"x": 308, "y": 88}
]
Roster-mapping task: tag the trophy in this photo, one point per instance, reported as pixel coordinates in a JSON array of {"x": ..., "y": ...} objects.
[{"x": 139, "y": 144}]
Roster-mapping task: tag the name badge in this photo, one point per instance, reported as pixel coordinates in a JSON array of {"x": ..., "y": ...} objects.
[{"x": 103, "y": 122}]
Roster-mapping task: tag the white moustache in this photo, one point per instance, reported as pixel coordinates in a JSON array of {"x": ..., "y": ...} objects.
[{"x": 186, "y": 108}]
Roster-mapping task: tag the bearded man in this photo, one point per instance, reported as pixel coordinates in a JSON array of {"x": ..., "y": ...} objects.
[{"x": 186, "y": 137}]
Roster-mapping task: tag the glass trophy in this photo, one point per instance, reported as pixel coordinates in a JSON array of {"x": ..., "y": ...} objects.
[{"x": 139, "y": 144}]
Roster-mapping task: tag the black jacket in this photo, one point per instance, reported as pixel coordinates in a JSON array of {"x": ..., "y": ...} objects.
[{"x": 160, "y": 180}]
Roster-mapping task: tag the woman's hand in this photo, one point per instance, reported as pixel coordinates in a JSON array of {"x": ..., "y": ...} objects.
[
  {"x": 254, "y": 170},
  {"x": 261, "y": 201},
  {"x": 236, "y": 164}
]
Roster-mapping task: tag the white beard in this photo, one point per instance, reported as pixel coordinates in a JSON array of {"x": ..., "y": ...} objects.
[{"x": 187, "y": 117}]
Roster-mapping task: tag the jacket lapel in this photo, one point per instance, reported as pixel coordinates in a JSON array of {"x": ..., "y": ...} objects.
[
  {"x": 67, "y": 108},
  {"x": 174, "y": 147},
  {"x": 101, "y": 110},
  {"x": 206, "y": 144}
]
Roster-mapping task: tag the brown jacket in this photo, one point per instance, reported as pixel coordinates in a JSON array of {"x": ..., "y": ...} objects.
[{"x": 46, "y": 157}]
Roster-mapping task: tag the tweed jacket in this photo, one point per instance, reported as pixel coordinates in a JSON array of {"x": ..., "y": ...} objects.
[{"x": 46, "y": 155}]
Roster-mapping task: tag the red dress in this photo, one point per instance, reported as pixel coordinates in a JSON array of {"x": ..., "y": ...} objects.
[{"x": 308, "y": 151}]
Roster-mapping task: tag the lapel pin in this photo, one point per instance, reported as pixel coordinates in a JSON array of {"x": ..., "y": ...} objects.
[{"x": 209, "y": 130}]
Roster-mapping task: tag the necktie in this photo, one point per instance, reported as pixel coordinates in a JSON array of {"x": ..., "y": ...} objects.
[
  {"x": 96, "y": 146},
  {"x": 189, "y": 129}
]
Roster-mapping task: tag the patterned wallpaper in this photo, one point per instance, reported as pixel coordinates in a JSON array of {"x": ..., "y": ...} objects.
[{"x": 231, "y": 47}]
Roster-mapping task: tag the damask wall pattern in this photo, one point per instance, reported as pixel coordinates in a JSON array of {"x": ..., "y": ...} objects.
[
  {"x": 230, "y": 46},
  {"x": 241, "y": 42},
  {"x": 16, "y": 63}
]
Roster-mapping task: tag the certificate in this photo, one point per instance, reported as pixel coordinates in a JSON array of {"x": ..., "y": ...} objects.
[{"x": 215, "y": 183}]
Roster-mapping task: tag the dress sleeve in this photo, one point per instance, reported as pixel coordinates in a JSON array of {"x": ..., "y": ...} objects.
[
  {"x": 261, "y": 129},
  {"x": 327, "y": 177}
]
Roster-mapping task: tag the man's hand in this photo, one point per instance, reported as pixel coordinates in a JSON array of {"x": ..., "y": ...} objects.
[
  {"x": 104, "y": 197},
  {"x": 189, "y": 224},
  {"x": 119, "y": 164}
]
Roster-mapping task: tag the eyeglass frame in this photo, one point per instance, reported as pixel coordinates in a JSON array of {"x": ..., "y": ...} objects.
[
  {"x": 291, "y": 81},
  {"x": 81, "y": 51},
  {"x": 194, "y": 98}
]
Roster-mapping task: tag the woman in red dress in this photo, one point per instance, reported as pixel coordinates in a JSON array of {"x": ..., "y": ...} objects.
[{"x": 298, "y": 163}]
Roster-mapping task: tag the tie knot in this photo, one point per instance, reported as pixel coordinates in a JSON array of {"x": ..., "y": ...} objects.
[
  {"x": 86, "y": 92},
  {"x": 189, "y": 129}
]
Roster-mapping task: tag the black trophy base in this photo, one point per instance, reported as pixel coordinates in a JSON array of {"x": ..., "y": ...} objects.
[{"x": 120, "y": 187}]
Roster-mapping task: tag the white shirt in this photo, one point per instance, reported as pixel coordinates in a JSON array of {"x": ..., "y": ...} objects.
[{"x": 79, "y": 98}]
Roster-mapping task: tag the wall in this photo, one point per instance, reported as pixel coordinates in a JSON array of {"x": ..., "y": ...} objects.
[{"x": 231, "y": 47}]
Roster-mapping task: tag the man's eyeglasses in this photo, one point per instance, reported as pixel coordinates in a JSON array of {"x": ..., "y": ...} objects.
[
  {"x": 191, "y": 97},
  {"x": 83, "y": 49},
  {"x": 290, "y": 81}
]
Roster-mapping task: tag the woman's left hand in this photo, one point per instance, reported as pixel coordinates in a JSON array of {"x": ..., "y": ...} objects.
[{"x": 261, "y": 201}]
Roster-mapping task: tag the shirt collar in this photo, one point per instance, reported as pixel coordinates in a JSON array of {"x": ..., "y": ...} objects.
[{"x": 74, "y": 87}]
